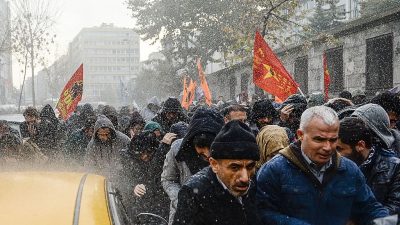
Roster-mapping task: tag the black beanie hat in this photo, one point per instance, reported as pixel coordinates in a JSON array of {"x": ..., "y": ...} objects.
[
  {"x": 263, "y": 108},
  {"x": 235, "y": 141}
]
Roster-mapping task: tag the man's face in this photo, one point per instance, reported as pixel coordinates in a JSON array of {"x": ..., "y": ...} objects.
[
  {"x": 89, "y": 131},
  {"x": 137, "y": 128},
  {"x": 393, "y": 117},
  {"x": 104, "y": 134},
  {"x": 261, "y": 122},
  {"x": 171, "y": 115},
  {"x": 236, "y": 115},
  {"x": 234, "y": 173},
  {"x": 146, "y": 155},
  {"x": 30, "y": 119},
  {"x": 203, "y": 152},
  {"x": 350, "y": 152},
  {"x": 319, "y": 140}
]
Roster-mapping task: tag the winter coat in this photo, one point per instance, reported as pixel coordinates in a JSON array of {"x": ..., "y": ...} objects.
[
  {"x": 146, "y": 112},
  {"x": 76, "y": 122},
  {"x": 382, "y": 171},
  {"x": 105, "y": 158},
  {"x": 289, "y": 193},
  {"x": 75, "y": 146},
  {"x": 174, "y": 175},
  {"x": 170, "y": 105},
  {"x": 203, "y": 121},
  {"x": 203, "y": 200}
]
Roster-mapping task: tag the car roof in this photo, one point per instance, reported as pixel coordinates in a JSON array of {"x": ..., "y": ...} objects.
[
  {"x": 53, "y": 198},
  {"x": 18, "y": 118}
]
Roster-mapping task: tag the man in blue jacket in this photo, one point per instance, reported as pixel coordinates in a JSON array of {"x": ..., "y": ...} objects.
[{"x": 310, "y": 183}]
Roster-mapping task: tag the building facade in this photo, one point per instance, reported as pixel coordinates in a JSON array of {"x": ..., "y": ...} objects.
[
  {"x": 365, "y": 57},
  {"x": 110, "y": 56},
  {"x": 6, "y": 81}
]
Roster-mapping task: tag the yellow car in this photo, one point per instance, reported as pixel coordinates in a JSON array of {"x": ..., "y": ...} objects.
[{"x": 55, "y": 198}]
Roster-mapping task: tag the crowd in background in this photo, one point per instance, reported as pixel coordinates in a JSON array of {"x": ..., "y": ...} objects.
[{"x": 151, "y": 153}]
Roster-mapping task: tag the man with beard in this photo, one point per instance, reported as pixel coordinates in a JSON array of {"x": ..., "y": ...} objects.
[
  {"x": 189, "y": 155},
  {"x": 223, "y": 193},
  {"x": 380, "y": 167},
  {"x": 103, "y": 153}
]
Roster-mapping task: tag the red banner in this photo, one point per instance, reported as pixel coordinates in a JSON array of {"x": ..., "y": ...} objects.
[
  {"x": 188, "y": 93},
  {"x": 71, "y": 94},
  {"x": 327, "y": 79},
  {"x": 268, "y": 72},
  {"x": 203, "y": 83}
]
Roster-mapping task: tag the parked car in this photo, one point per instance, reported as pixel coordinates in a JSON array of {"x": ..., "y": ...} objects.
[
  {"x": 13, "y": 120},
  {"x": 49, "y": 198}
]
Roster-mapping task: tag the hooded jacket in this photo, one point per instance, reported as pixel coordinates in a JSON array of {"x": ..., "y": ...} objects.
[
  {"x": 382, "y": 172},
  {"x": 170, "y": 105},
  {"x": 49, "y": 132},
  {"x": 105, "y": 158},
  {"x": 203, "y": 121},
  {"x": 146, "y": 112},
  {"x": 377, "y": 121}
]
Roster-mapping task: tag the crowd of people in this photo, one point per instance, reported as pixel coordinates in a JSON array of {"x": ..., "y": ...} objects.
[{"x": 302, "y": 161}]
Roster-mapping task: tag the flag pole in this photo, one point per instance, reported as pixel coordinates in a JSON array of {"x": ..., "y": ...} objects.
[{"x": 298, "y": 88}]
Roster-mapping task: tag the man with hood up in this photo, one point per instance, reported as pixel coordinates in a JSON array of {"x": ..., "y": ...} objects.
[
  {"x": 150, "y": 111},
  {"x": 103, "y": 151},
  {"x": 77, "y": 121},
  {"x": 50, "y": 132},
  {"x": 190, "y": 154},
  {"x": 171, "y": 113},
  {"x": 379, "y": 165}
]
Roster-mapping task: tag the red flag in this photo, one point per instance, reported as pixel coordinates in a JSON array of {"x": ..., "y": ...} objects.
[
  {"x": 71, "y": 94},
  {"x": 191, "y": 92},
  {"x": 327, "y": 79},
  {"x": 268, "y": 72},
  {"x": 185, "y": 94},
  {"x": 203, "y": 83}
]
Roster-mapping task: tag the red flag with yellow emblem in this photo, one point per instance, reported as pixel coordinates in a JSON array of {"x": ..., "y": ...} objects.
[
  {"x": 268, "y": 72},
  {"x": 71, "y": 94}
]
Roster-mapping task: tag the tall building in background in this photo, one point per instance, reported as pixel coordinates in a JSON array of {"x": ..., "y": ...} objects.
[
  {"x": 346, "y": 9},
  {"x": 6, "y": 83},
  {"x": 111, "y": 58}
]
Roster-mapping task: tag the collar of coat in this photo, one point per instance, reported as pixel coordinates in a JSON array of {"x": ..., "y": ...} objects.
[{"x": 293, "y": 154}]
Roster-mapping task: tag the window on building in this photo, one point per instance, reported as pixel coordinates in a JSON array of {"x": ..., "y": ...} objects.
[
  {"x": 244, "y": 82},
  {"x": 232, "y": 87},
  {"x": 334, "y": 58},
  {"x": 379, "y": 64},
  {"x": 341, "y": 12},
  {"x": 301, "y": 73}
]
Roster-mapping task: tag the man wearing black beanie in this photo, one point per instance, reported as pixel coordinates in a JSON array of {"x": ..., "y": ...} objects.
[{"x": 223, "y": 193}]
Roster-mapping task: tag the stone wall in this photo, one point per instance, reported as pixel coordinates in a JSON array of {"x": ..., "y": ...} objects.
[{"x": 352, "y": 37}]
